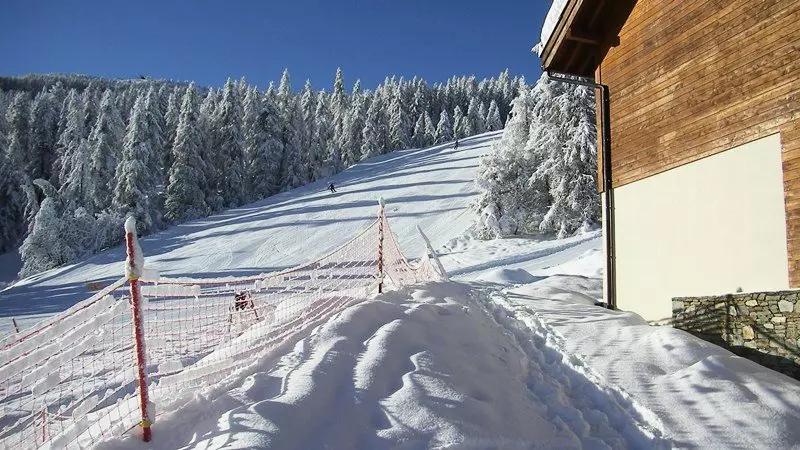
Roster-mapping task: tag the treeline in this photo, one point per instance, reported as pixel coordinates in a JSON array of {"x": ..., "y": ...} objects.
[
  {"x": 80, "y": 154},
  {"x": 541, "y": 176}
]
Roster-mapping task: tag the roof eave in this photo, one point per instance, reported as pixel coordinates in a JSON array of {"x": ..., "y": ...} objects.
[
  {"x": 559, "y": 33},
  {"x": 585, "y": 31}
]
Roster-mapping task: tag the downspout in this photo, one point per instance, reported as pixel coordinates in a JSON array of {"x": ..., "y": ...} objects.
[{"x": 605, "y": 115}]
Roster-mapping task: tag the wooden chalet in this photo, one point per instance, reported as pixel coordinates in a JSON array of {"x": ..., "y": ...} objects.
[{"x": 704, "y": 101}]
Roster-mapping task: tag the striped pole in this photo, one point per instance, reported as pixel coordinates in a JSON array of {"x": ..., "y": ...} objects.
[
  {"x": 380, "y": 244},
  {"x": 133, "y": 270}
]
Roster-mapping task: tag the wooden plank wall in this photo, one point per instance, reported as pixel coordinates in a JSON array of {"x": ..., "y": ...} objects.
[
  {"x": 691, "y": 79},
  {"x": 790, "y": 141}
]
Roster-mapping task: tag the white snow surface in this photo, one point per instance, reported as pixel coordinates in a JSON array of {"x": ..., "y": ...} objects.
[{"x": 512, "y": 353}]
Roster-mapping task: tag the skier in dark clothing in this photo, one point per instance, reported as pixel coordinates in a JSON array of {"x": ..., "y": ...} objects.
[
  {"x": 331, "y": 188},
  {"x": 455, "y": 146}
]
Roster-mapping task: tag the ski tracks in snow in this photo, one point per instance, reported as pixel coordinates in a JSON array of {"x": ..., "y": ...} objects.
[{"x": 604, "y": 407}]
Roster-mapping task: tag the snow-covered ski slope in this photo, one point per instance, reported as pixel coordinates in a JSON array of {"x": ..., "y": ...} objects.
[{"x": 431, "y": 188}]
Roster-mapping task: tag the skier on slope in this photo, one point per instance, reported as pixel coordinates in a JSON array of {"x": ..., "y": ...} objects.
[
  {"x": 331, "y": 187},
  {"x": 455, "y": 146}
]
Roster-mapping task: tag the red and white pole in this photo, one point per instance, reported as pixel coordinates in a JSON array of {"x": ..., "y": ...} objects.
[
  {"x": 381, "y": 213},
  {"x": 134, "y": 264}
]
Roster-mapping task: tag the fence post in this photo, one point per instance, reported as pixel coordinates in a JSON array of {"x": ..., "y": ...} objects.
[
  {"x": 44, "y": 425},
  {"x": 134, "y": 264},
  {"x": 433, "y": 254},
  {"x": 380, "y": 243}
]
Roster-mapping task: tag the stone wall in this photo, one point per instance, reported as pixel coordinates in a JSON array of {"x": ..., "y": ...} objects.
[{"x": 763, "y": 326}]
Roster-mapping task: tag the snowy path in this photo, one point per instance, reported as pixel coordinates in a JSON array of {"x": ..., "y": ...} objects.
[{"x": 429, "y": 367}]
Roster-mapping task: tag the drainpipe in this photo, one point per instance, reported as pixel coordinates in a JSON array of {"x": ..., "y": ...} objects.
[{"x": 605, "y": 115}]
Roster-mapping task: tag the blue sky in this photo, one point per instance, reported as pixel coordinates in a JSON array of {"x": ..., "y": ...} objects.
[{"x": 209, "y": 41}]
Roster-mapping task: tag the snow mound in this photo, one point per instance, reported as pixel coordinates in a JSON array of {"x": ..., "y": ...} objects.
[
  {"x": 426, "y": 367},
  {"x": 565, "y": 288},
  {"x": 588, "y": 264},
  {"x": 507, "y": 276}
]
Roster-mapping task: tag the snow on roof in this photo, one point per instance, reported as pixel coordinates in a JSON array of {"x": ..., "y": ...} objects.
[{"x": 550, "y": 23}]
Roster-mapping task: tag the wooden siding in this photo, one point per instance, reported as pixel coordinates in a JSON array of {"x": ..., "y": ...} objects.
[
  {"x": 692, "y": 79},
  {"x": 790, "y": 142}
]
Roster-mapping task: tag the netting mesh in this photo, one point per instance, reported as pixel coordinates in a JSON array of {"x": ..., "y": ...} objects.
[
  {"x": 398, "y": 270},
  {"x": 72, "y": 380},
  {"x": 72, "y": 375}
]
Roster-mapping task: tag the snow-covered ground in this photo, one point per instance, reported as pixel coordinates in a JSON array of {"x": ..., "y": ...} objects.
[{"x": 511, "y": 353}]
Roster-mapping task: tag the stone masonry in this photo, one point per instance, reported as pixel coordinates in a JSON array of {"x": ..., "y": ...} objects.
[{"x": 762, "y": 326}]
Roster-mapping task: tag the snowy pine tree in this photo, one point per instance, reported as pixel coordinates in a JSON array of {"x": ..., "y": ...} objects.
[
  {"x": 185, "y": 197},
  {"x": 229, "y": 143},
  {"x": 60, "y": 234},
  {"x": 209, "y": 154},
  {"x": 419, "y": 104},
  {"x": 493, "y": 122},
  {"x": 12, "y": 201},
  {"x": 255, "y": 172},
  {"x": 13, "y": 160},
  {"x": 399, "y": 125},
  {"x": 273, "y": 145},
  {"x": 338, "y": 108},
  {"x": 90, "y": 99},
  {"x": 419, "y": 138},
  {"x": 43, "y": 136},
  {"x": 104, "y": 143},
  {"x": 71, "y": 136},
  {"x": 430, "y": 130},
  {"x": 480, "y": 118},
  {"x": 44, "y": 248},
  {"x": 508, "y": 205},
  {"x": 320, "y": 165},
  {"x": 291, "y": 122},
  {"x": 470, "y": 126},
  {"x": 308, "y": 106},
  {"x": 171, "y": 118},
  {"x": 541, "y": 175},
  {"x": 444, "y": 130},
  {"x": 79, "y": 185},
  {"x": 372, "y": 145},
  {"x": 18, "y": 125},
  {"x": 154, "y": 119},
  {"x": 571, "y": 167},
  {"x": 135, "y": 192},
  {"x": 459, "y": 124},
  {"x": 352, "y": 132}
]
